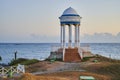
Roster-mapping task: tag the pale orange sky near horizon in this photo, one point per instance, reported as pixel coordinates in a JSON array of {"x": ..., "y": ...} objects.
[{"x": 37, "y": 21}]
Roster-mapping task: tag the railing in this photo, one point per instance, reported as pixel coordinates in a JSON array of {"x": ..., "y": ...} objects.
[
  {"x": 13, "y": 69},
  {"x": 55, "y": 48},
  {"x": 63, "y": 53},
  {"x": 58, "y": 48},
  {"x": 80, "y": 51},
  {"x": 84, "y": 48}
]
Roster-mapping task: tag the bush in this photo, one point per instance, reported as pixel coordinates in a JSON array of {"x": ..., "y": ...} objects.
[
  {"x": 28, "y": 62},
  {"x": 57, "y": 59},
  {"x": 86, "y": 58},
  {"x": 23, "y": 61}
]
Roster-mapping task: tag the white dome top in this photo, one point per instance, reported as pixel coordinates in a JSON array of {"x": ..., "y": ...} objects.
[{"x": 69, "y": 11}]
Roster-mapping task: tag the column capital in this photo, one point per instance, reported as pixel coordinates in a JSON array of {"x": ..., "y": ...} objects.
[
  {"x": 62, "y": 24},
  {"x": 76, "y": 25},
  {"x": 69, "y": 24}
]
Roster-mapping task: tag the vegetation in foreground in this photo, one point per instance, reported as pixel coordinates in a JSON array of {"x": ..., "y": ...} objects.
[
  {"x": 103, "y": 66},
  {"x": 113, "y": 70}
]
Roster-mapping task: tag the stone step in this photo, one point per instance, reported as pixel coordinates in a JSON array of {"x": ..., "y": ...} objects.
[{"x": 71, "y": 55}]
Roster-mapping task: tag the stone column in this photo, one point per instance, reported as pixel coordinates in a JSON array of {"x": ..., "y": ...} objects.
[
  {"x": 78, "y": 42},
  {"x": 70, "y": 36},
  {"x": 64, "y": 36},
  {"x": 76, "y": 36},
  {"x": 61, "y": 36}
]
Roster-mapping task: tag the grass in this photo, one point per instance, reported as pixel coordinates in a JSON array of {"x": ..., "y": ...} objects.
[
  {"x": 106, "y": 66},
  {"x": 105, "y": 59},
  {"x": 113, "y": 70},
  {"x": 23, "y": 61}
]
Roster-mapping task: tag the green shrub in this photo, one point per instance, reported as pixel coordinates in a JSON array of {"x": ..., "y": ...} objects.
[
  {"x": 28, "y": 62},
  {"x": 55, "y": 59},
  {"x": 23, "y": 61},
  {"x": 86, "y": 58}
]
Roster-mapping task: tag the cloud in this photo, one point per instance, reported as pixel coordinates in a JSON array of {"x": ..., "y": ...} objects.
[
  {"x": 35, "y": 36},
  {"x": 87, "y": 38},
  {"x": 101, "y": 38},
  {"x": 118, "y": 35},
  {"x": 44, "y": 38}
]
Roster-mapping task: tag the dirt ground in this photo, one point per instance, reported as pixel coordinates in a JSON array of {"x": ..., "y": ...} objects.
[
  {"x": 70, "y": 71},
  {"x": 67, "y": 75},
  {"x": 74, "y": 75}
]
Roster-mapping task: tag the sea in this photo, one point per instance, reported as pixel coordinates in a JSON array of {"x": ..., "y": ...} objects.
[{"x": 41, "y": 51}]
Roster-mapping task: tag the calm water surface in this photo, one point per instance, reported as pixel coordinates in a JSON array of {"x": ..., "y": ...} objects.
[{"x": 42, "y": 50}]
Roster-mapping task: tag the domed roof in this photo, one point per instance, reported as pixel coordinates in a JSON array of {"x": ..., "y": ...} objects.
[
  {"x": 69, "y": 11},
  {"x": 70, "y": 16}
]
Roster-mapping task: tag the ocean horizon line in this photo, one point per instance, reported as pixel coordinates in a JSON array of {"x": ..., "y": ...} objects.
[{"x": 55, "y": 43}]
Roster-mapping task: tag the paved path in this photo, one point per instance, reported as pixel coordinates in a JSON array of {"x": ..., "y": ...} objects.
[{"x": 62, "y": 67}]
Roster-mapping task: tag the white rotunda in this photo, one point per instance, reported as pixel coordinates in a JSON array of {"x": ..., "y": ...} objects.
[{"x": 70, "y": 18}]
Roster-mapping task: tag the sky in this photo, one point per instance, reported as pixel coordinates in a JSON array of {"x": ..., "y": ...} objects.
[{"x": 36, "y": 21}]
